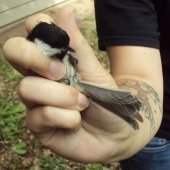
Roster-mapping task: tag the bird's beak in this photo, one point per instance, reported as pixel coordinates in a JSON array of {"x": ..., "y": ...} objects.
[{"x": 70, "y": 49}]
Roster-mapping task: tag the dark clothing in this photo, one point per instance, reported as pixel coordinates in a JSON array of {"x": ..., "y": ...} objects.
[
  {"x": 141, "y": 23},
  {"x": 155, "y": 156}
]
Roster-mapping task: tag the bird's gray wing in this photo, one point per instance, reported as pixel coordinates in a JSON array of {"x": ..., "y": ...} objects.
[{"x": 121, "y": 103}]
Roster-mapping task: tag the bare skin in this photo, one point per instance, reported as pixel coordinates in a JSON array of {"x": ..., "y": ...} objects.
[{"x": 60, "y": 116}]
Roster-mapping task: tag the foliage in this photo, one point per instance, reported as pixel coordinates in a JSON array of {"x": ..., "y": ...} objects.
[
  {"x": 53, "y": 163},
  {"x": 11, "y": 116},
  {"x": 94, "y": 167},
  {"x": 20, "y": 148},
  {"x": 7, "y": 72}
]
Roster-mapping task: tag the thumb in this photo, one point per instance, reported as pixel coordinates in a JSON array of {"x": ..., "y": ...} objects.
[{"x": 89, "y": 67}]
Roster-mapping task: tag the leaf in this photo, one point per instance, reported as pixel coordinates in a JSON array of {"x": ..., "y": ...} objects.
[
  {"x": 21, "y": 148},
  {"x": 16, "y": 109},
  {"x": 94, "y": 167}
]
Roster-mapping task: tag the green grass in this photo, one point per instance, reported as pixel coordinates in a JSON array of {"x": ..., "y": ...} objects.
[
  {"x": 11, "y": 110},
  {"x": 53, "y": 163},
  {"x": 7, "y": 73},
  {"x": 57, "y": 163},
  {"x": 11, "y": 116},
  {"x": 20, "y": 148},
  {"x": 94, "y": 167}
]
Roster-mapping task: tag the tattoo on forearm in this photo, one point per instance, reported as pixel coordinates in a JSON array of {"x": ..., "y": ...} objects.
[{"x": 147, "y": 95}]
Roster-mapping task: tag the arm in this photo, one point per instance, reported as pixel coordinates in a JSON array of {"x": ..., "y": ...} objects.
[
  {"x": 138, "y": 69},
  {"x": 132, "y": 46}
]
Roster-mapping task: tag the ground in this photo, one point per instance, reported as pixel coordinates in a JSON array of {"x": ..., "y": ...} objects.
[{"x": 19, "y": 150}]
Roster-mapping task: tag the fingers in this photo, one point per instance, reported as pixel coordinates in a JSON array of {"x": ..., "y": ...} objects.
[
  {"x": 42, "y": 119},
  {"x": 41, "y": 91},
  {"x": 67, "y": 21},
  {"x": 27, "y": 58},
  {"x": 88, "y": 63},
  {"x": 25, "y": 55},
  {"x": 88, "y": 66}
]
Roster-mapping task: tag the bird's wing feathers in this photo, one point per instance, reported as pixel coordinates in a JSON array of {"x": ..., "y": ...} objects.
[{"x": 121, "y": 103}]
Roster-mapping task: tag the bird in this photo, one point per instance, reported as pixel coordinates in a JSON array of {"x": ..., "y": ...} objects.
[{"x": 54, "y": 42}]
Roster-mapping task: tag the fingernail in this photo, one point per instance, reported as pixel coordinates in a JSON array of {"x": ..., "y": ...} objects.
[
  {"x": 83, "y": 101},
  {"x": 57, "y": 70}
]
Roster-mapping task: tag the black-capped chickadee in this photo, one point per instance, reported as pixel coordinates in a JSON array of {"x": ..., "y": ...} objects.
[{"x": 54, "y": 42}]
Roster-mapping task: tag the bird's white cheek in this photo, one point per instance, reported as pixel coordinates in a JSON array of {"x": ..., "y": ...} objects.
[{"x": 47, "y": 49}]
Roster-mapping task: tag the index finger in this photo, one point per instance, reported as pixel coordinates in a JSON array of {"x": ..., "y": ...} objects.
[{"x": 27, "y": 58}]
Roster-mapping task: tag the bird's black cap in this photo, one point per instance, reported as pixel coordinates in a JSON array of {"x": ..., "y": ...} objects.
[{"x": 50, "y": 34}]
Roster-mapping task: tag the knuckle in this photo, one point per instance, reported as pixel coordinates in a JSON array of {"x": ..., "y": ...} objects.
[
  {"x": 22, "y": 87},
  {"x": 75, "y": 120},
  {"x": 28, "y": 121},
  {"x": 45, "y": 114},
  {"x": 31, "y": 54},
  {"x": 35, "y": 57},
  {"x": 34, "y": 120},
  {"x": 46, "y": 141}
]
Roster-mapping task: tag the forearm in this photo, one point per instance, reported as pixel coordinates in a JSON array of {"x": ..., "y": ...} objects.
[
  {"x": 151, "y": 112},
  {"x": 146, "y": 86}
]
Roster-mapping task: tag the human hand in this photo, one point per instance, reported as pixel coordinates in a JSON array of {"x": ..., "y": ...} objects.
[{"x": 58, "y": 114}]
